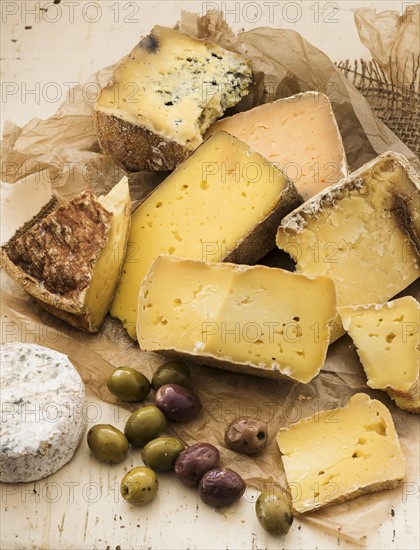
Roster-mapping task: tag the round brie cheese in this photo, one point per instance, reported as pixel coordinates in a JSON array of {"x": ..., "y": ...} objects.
[{"x": 42, "y": 410}]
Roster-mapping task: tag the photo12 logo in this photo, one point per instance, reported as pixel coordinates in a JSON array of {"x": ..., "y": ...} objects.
[{"x": 70, "y": 11}]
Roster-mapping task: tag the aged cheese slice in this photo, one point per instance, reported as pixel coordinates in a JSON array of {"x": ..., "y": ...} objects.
[
  {"x": 387, "y": 341},
  {"x": 299, "y": 134},
  {"x": 364, "y": 232},
  {"x": 43, "y": 416},
  {"x": 256, "y": 320},
  {"x": 337, "y": 455},
  {"x": 163, "y": 97},
  {"x": 70, "y": 258},
  {"x": 223, "y": 203}
]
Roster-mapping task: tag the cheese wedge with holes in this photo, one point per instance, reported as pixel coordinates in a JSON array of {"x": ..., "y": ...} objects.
[
  {"x": 387, "y": 341},
  {"x": 299, "y": 134},
  {"x": 69, "y": 258},
  {"x": 337, "y": 455},
  {"x": 253, "y": 320},
  {"x": 223, "y": 203},
  {"x": 364, "y": 232}
]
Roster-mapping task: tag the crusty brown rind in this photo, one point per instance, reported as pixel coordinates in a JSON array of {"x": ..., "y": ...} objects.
[
  {"x": 409, "y": 401},
  {"x": 136, "y": 147},
  {"x": 43, "y": 266},
  {"x": 262, "y": 239}
]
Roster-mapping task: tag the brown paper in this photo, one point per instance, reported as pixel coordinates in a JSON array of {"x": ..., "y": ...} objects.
[
  {"x": 61, "y": 154},
  {"x": 393, "y": 40}
]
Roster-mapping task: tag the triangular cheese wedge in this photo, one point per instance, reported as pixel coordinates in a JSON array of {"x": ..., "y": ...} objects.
[{"x": 70, "y": 258}]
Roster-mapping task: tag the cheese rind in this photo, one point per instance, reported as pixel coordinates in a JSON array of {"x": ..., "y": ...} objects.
[
  {"x": 253, "y": 320},
  {"x": 299, "y": 134},
  {"x": 223, "y": 203},
  {"x": 163, "y": 97},
  {"x": 362, "y": 232},
  {"x": 338, "y": 455},
  {"x": 43, "y": 416},
  {"x": 387, "y": 341},
  {"x": 69, "y": 258}
]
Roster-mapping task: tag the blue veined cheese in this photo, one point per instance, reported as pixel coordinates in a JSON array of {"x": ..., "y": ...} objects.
[
  {"x": 164, "y": 95},
  {"x": 42, "y": 412}
]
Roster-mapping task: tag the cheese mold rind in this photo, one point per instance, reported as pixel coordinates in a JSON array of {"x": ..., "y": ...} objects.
[
  {"x": 224, "y": 202},
  {"x": 69, "y": 257},
  {"x": 299, "y": 134},
  {"x": 252, "y": 320},
  {"x": 362, "y": 231},
  {"x": 163, "y": 97},
  {"x": 340, "y": 454},
  {"x": 43, "y": 420}
]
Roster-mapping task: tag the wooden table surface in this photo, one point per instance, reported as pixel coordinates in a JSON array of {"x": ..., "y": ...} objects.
[{"x": 46, "y": 45}]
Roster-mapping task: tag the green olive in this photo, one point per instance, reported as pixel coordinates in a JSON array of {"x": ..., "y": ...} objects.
[
  {"x": 144, "y": 425},
  {"x": 274, "y": 512},
  {"x": 128, "y": 384},
  {"x": 139, "y": 485},
  {"x": 161, "y": 453},
  {"x": 173, "y": 372},
  {"x": 107, "y": 443}
]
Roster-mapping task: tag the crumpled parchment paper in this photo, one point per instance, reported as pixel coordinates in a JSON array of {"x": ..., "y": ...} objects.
[
  {"x": 393, "y": 40},
  {"x": 61, "y": 154}
]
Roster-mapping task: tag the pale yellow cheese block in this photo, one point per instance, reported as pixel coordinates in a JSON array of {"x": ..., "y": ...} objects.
[
  {"x": 254, "y": 320},
  {"x": 364, "y": 232},
  {"x": 387, "y": 341},
  {"x": 335, "y": 456},
  {"x": 299, "y": 134},
  {"x": 224, "y": 202}
]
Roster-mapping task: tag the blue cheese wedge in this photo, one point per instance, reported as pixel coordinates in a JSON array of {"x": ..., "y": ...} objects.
[
  {"x": 43, "y": 416},
  {"x": 164, "y": 95}
]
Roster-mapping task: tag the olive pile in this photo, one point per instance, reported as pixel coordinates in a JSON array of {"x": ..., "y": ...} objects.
[
  {"x": 173, "y": 400},
  {"x": 197, "y": 465}
]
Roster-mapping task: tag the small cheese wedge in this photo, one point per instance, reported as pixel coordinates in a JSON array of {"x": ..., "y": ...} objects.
[
  {"x": 69, "y": 258},
  {"x": 337, "y": 455},
  {"x": 364, "y": 232},
  {"x": 253, "y": 320},
  {"x": 223, "y": 203},
  {"x": 387, "y": 341},
  {"x": 299, "y": 134},
  {"x": 164, "y": 95}
]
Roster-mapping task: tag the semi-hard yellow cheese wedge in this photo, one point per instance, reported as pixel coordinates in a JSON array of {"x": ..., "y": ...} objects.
[
  {"x": 387, "y": 341},
  {"x": 223, "y": 203},
  {"x": 364, "y": 232},
  {"x": 69, "y": 258},
  {"x": 299, "y": 134},
  {"x": 253, "y": 320},
  {"x": 337, "y": 455}
]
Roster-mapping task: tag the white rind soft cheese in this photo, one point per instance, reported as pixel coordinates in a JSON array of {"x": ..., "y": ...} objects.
[{"x": 42, "y": 412}]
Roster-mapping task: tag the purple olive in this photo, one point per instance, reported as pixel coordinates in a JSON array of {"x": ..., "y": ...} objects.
[
  {"x": 221, "y": 487},
  {"x": 177, "y": 403},
  {"x": 195, "y": 461},
  {"x": 246, "y": 435}
]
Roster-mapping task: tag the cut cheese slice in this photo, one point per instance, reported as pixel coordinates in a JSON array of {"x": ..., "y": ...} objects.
[
  {"x": 363, "y": 232},
  {"x": 164, "y": 95},
  {"x": 387, "y": 341},
  {"x": 254, "y": 320},
  {"x": 299, "y": 134},
  {"x": 338, "y": 455},
  {"x": 223, "y": 203},
  {"x": 69, "y": 258}
]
